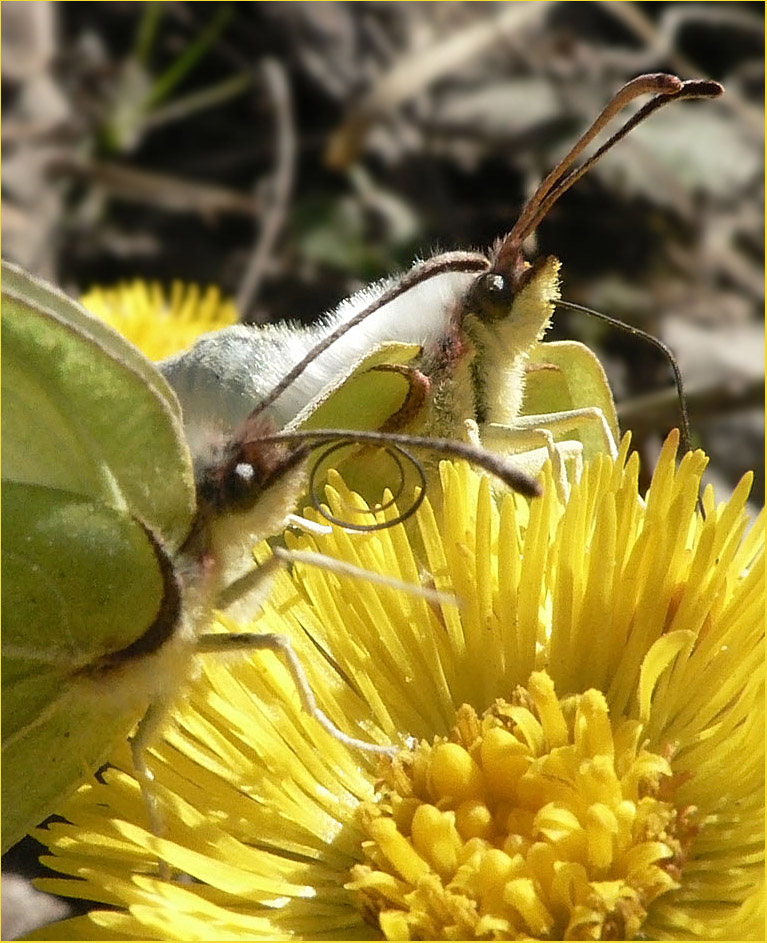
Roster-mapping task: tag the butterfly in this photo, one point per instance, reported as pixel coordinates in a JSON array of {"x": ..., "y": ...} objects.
[
  {"x": 116, "y": 548},
  {"x": 450, "y": 349}
]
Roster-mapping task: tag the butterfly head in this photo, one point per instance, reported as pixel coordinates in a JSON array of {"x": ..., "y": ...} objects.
[
  {"x": 510, "y": 277},
  {"x": 246, "y": 467}
]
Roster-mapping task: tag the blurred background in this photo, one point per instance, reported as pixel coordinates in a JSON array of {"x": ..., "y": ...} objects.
[{"x": 293, "y": 152}]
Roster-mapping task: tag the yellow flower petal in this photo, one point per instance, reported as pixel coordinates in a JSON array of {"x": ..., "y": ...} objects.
[{"x": 161, "y": 323}]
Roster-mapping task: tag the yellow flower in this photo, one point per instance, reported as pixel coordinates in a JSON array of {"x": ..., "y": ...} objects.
[
  {"x": 161, "y": 324},
  {"x": 582, "y": 739}
]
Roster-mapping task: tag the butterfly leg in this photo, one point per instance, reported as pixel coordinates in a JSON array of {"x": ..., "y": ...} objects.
[
  {"x": 306, "y": 526},
  {"x": 281, "y": 645},
  {"x": 525, "y": 445},
  {"x": 142, "y": 739},
  {"x": 531, "y": 439},
  {"x": 569, "y": 419}
]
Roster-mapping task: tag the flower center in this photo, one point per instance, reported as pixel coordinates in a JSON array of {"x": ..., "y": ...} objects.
[{"x": 540, "y": 820}]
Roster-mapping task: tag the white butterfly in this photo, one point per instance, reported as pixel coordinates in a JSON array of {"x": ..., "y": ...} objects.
[{"x": 456, "y": 338}]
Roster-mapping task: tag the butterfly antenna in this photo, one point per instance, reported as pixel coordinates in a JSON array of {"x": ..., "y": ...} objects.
[
  {"x": 666, "y": 88},
  {"x": 684, "y": 417},
  {"x": 511, "y": 475}
]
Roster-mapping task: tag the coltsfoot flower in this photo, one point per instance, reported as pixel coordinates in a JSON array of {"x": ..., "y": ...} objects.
[
  {"x": 161, "y": 322},
  {"x": 581, "y": 740}
]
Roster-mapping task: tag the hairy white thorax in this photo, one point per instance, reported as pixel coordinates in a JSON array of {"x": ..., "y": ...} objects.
[{"x": 227, "y": 373}]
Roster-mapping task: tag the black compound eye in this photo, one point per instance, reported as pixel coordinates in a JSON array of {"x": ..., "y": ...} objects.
[
  {"x": 490, "y": 296},
  {"x": 230, "y": 484}
]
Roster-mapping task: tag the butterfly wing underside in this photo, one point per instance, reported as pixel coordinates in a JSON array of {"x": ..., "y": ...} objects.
[
  {"x": 376, "y": 393},
  {"x": 567, "y": 375},
  {"x": 371, "y": 392},
  {"x": 97, "y": 496}
]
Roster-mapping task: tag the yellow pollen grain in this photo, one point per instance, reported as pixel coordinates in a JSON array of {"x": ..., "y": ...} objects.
[
  {"x": 520, "y": 894},
  {"x": 409, "y": 865},
  {"x": 549, "y": 710},
  {"x": 601, "y": 830},
  {"x": 593, "y": 734},
  {"x": 504, "y": 760},
  {"x": 435, "y": 837}
]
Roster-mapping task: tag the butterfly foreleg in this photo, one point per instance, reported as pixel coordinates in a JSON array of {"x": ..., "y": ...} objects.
[
  {"x": 533, "y": 438},
  {"x": 223, "y": 643},
  {"x": 567, "y": 421},
  {"x": 532, "y": 448}
]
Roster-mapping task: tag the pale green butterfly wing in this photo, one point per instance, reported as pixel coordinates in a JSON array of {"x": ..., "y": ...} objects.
[
  {"x": 367, "y": 395},
  {"x": 565, "y": 375},
  {"x": 85, "y": 411},
  {"x": 81, "y": 579},
  {"x": 97, "y": 495}
]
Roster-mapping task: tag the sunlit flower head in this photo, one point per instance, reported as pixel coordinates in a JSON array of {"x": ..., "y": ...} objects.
[
  {"x": 581, "y": 740},
  {"x": 161, "y": 322}
]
